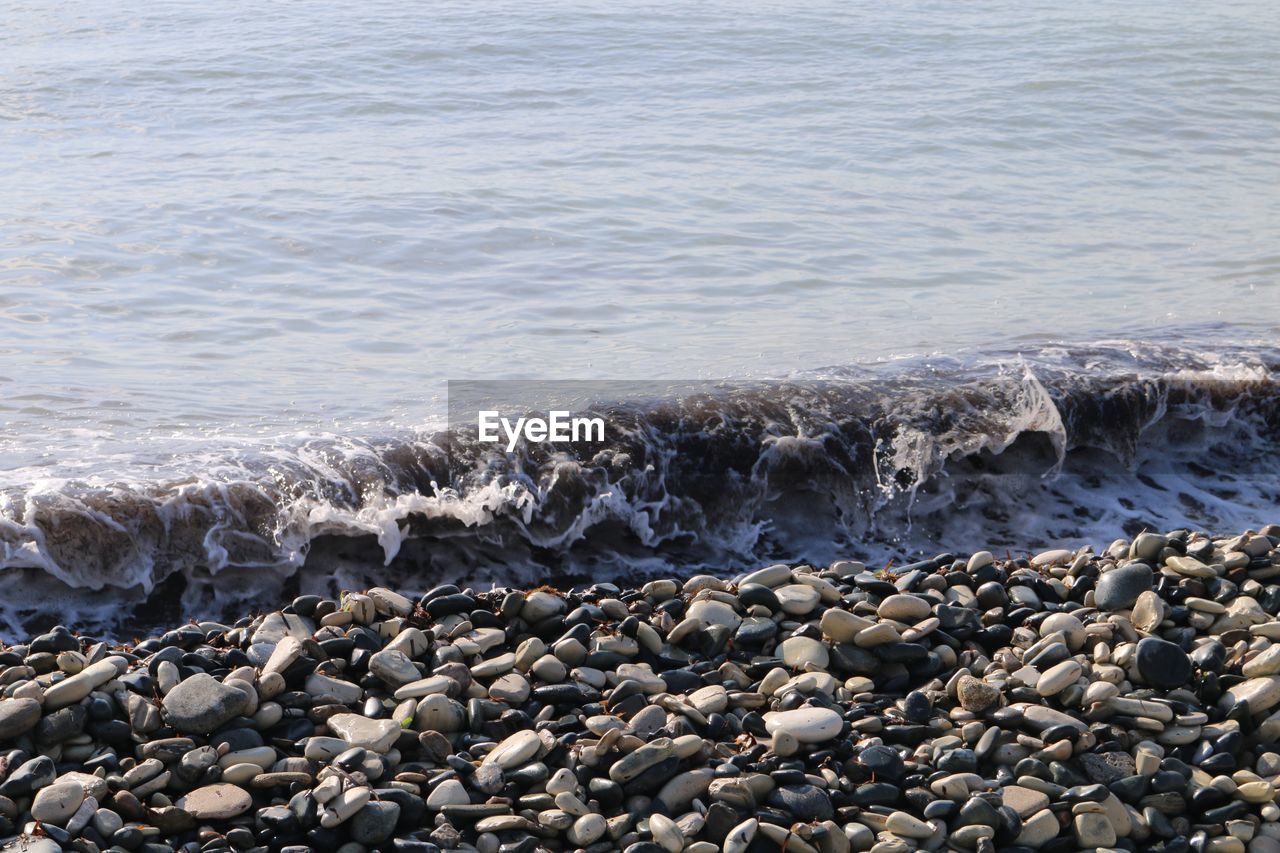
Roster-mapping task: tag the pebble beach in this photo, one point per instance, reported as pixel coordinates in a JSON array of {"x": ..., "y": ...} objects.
[{"x": 1127, "y": 699}]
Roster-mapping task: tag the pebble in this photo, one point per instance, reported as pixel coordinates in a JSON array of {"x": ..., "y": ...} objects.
[
  {"x": 17, "y": 717},
  {"x": 216, "y": 802},
  {"x": 1058, "y": 677},
  {"x": 1122, "y": 700},
  {"x": 56, "y": 803},
  {"x": 804, "y": 653},
  {"x": 1162, "y": 664},
  {"x": 373, "y": 735},
  {"x": 201, "y": 704},
  {"x": 515, "y": 750},
  {"x": 1119, "y": 588},
  {"x": 1148, "y": 612},
  {"x": 904, "y": 608},
  {"x": 806, "y": 725}
]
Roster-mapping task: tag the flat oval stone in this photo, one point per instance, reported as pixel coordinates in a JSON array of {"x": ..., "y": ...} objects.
[
  {"x": 1058, "y": 678},
  {"x": 904, "y": 608},
  {"x": 515, "y": 750},
  {"x": 807, "y": 725},
  {"x": 1261, "y": 694},
  {"x": 216, "y": 802}
]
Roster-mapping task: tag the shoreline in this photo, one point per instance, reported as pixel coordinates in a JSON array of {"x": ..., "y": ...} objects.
[
  {"x": 875, "y": 462},
  {"x": 1127, "y": 700}
]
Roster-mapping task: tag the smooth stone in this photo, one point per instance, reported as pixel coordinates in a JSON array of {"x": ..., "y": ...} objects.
[
  {"x": 374, "y": 823},
  {"x": 806, "y": 802},
  {"x": 1071, "y": 627},
  {"x": 906, "y": 826},
  {"x": 1119, "y": 588},
  {"x": 393, "y": 667},
  {"x": 344, "y": 806},
  {"x": 797, "y": 599},
  {"x": 512, "y": 688},
  {"x": 1162, "y": 664},
  {"x": 201, "y": 704},
  {"x": 1190, "y": 567},
  {"x": 1261, "y": 694},
  {"x": 908, "y": 609},
  {"x": 1024, "y": 801},
  {"x": 56, "y": 803},
  {"x": 803, "y": 652},
  {"x": 741, "y": 836},
  {"x": 540, "y": 605},
  {"x": 517, "y": 749},
  {"x": 1093, "y": 829},
  {"x": 1058, "y": 678},
  {"x": 1039, "y": 829},
  {"x": 679, "y": 793},
  {"x": 806, "y": 725},
  {"x": 1266, "y": 663},
  {"x": 73, "y": 689},
  {"x": 1043, "y": 718},
  {"x": 450, "y": 792},
  {"x": 430, "y": 686},
  {"x": 325, "y": 688},
  {"x": 666, "y": 833},
  {"x": 216, "y": 802},
  {"x": 17, "y": 717},
  {"x": 713, "y": 612},
  {"x": 374, "y": 735},
  {"x": 1148, "y": 612},
  {"x": 841, "y": 625},
  {"x": 587, "y": 830},
  {"x": 439, "y": 713}
]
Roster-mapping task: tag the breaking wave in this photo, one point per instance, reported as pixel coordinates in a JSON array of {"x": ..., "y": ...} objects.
[{"x": 883, "y": 462}]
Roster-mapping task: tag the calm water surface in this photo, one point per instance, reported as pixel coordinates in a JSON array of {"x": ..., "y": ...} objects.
[{"x": 227, "y": 223}]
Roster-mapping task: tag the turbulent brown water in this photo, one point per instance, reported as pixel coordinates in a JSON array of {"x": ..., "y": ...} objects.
[{"x": 880, "y": 463}]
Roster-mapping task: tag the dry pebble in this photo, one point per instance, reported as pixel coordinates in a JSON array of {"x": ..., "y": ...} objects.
[{"x": 1063, "y": 700}]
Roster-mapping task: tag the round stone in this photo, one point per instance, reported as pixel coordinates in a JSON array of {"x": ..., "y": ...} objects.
[
  {"x": 1162, "y": 664},
  {"x": 587, "y": 829},
  {"x": 841, "y": 625},
  {"x": 1070, "y": 627},
  {"x": 804, "y": 653},
  {"x": 713, "y": 612},
  {"x": 1120, "y": 587},
  {"x": 450, "y": 792},
  {"x": 904, "y": 608},
  {"x": 17, "y": 717},
  {"x": 885, "y": 762}
]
